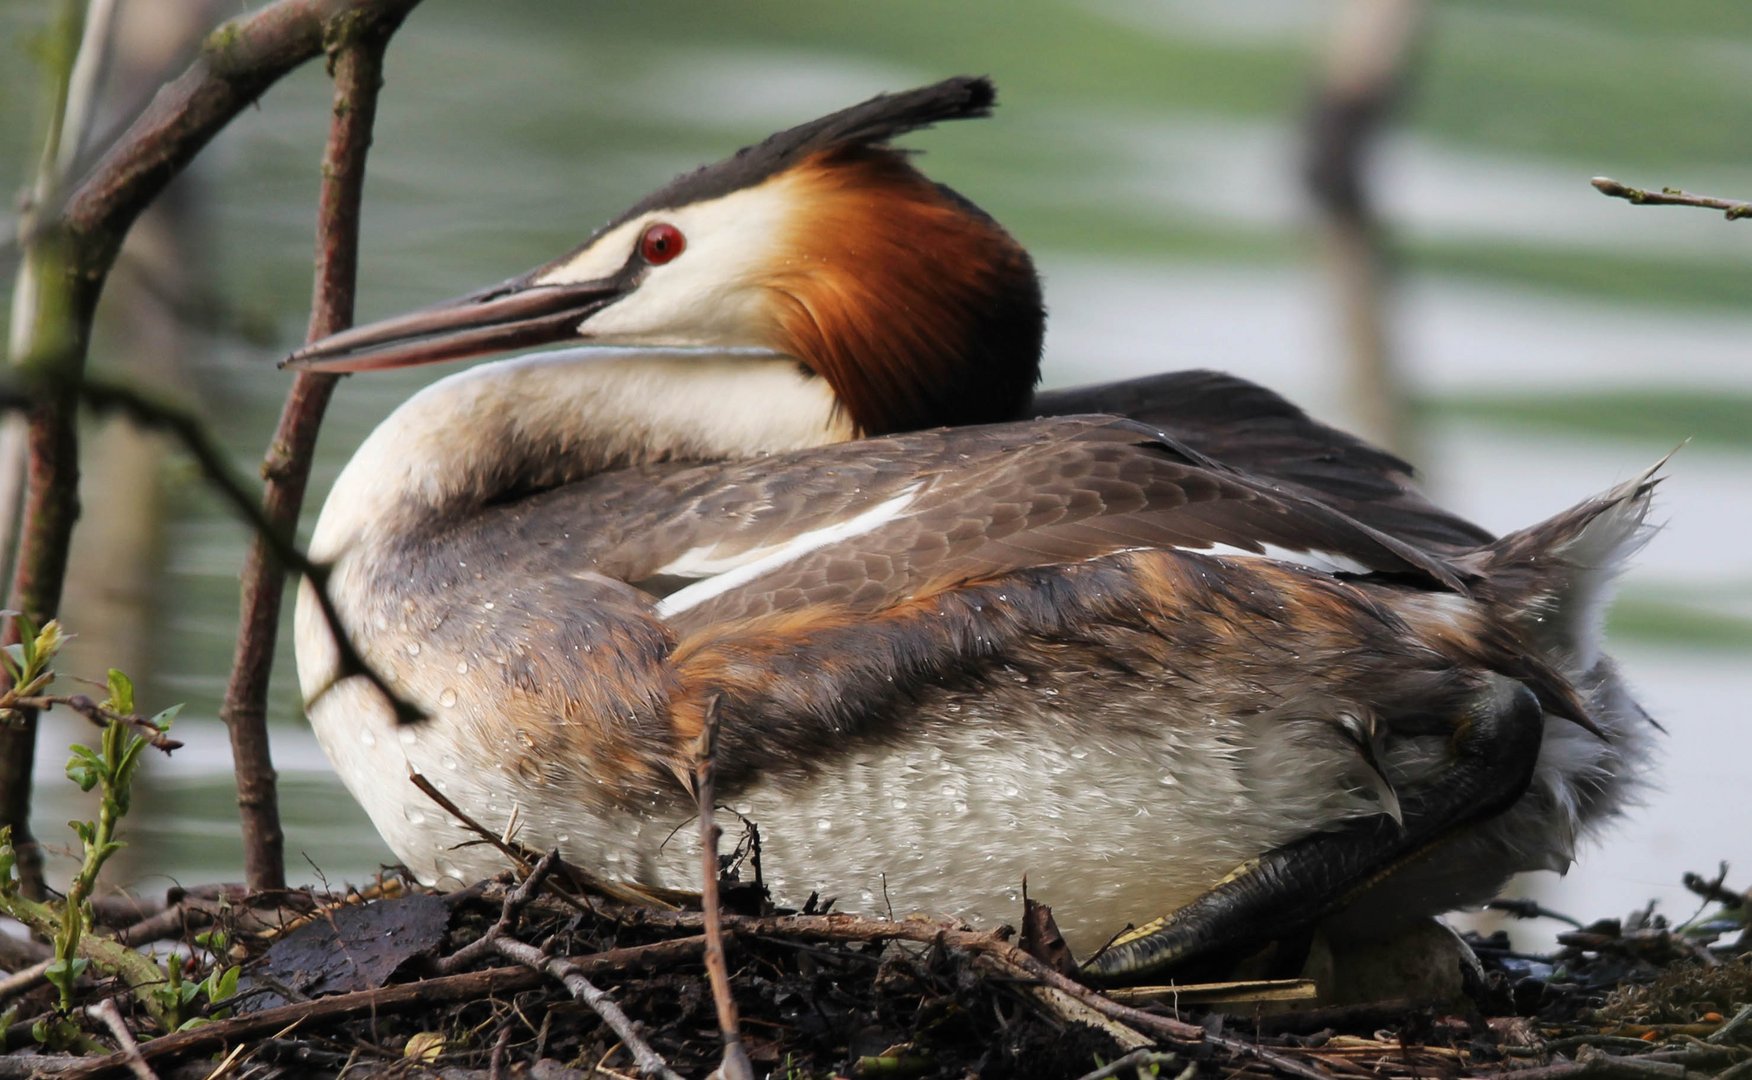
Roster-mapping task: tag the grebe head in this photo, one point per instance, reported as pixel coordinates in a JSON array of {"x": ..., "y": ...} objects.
[{"x": 822, "y": 243}]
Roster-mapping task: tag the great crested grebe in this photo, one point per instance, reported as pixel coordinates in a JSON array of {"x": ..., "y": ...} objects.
[{"x": 1168, "y": 647}]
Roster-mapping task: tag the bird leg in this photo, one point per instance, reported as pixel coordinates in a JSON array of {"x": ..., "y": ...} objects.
[{"x": 1288, "y": 889}]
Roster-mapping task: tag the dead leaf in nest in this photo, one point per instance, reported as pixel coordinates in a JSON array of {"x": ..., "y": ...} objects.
[
  {"x": 424, "y": 1046},
  {"x": 1041, "y": 938},
  {"x": 357, "y": 947}
]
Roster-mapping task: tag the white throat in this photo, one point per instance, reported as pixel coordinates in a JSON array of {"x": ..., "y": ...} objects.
[{"x": 548, "y": 418}]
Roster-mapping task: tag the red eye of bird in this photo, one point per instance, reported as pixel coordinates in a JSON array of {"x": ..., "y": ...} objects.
[{"x": 661, "y": 243}]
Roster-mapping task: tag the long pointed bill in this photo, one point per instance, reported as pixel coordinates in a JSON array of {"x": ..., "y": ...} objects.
[{"x": 512, "y": 315}]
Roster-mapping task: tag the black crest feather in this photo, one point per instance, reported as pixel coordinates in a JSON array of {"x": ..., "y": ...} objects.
[{"x": 870, "y": 123}]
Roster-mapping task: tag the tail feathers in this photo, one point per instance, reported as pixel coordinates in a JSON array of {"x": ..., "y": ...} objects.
[{"x": 1553, "y": 580}]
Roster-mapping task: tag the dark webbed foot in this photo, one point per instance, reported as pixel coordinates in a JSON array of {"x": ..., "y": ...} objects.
[{"x": 1286, "y": 891}]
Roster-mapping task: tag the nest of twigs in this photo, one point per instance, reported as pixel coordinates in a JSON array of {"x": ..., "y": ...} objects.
[{"x": 538, "y": 977}]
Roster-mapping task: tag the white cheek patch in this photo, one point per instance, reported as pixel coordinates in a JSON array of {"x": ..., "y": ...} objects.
[
  {"x": 714, "y": 292},
  {"x": 736, "y": 571}
]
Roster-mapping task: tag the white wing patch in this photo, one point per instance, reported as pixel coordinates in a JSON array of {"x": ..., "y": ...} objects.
[
  {"x": 1326, "y": 562},
  {"x": 730, "y": 572}
]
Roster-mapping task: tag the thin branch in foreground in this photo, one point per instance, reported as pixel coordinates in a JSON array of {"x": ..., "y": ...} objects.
[
  {"x": 1732, "y": 209},
  {"x": 102, "y": 397},
  {"x": 24, "y": 979},
  {"x": 40, "y": 497},
  {"x": 237, "y": 64},
  {"x": 445, "y": 803},
  {"x": 111, "y": 1016},
  {"x": 735, "y": 1064},
  {"x": 97, "y": 714}
]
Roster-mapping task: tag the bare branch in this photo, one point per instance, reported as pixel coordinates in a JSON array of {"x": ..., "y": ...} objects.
[
  {"x": 74, "y": 251},
  {"x": 1732, "y": 209},
  {"x": 357, "y": 48},
  {"x": 97, "y": 714},
  {"x": 237, "y": 64},
  {"x": 39, "y": 451}
]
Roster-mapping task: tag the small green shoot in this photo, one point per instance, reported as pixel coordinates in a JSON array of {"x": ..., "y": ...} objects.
[
  {"x": 27, "y": 660},
  {"x": 180, "y": 999},
  {"x": 109, "y": 768}
]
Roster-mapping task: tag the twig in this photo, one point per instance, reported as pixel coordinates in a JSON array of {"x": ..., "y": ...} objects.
[
  {"x": 155, "y": 927},
  {"x": 518, "y": 857},
  {"x": 845, "y": 927},
  {"x": 568, "y": 973},
  {"x": 1730, "y": 1031},
  {"x": 515, "y": 901},
  {"x": 24, "y": 979},
  {"x": 1280, "y": 1062},
  {"x": 735, "y": 1064},
  {"x": 496, "y": 1063},
  {"x": 237, "y": 64},
  {"x": 470, "y": 986},
  {"x": 1713, "y": 888},
  {"x": 1526, "y": 908},
  {"x": 1736, "y": 1072},
  {"x": 111, "y": 1016},
  {"x": 1591, "y": 1062},
  {"x": 20, "y": 952},
  {"x": 215, "y": 468},
  {"x": 169, "y": 922},
  {"x": 1731, "y": 208},
  {"x": 1073, "y": 1010},
  {"x": 121, "y": 909},
  {"x": 101, "y": 716},
  {"x": 85, "y": 83},
  {"x": 38, "y": 515},
  {"x": 1643, "y": 944},
  {"x": 32, "y": 1066},
  {"x": 356, "y": 48}
]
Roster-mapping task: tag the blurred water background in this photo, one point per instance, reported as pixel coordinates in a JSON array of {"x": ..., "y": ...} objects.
[{"x": 1554, "y": 341}]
